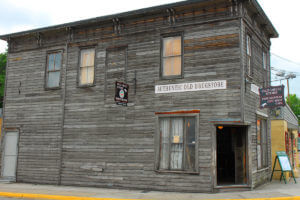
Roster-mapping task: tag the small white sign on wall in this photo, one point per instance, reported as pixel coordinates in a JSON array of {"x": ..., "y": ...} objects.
[
  {"x": 191, "y": 87},
  {"x": 255, "y": 89}
]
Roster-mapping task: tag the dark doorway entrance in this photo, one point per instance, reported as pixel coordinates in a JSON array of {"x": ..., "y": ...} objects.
[{"x": 231, "y": 155}]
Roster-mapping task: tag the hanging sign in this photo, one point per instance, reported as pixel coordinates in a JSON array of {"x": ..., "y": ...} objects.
[
  {"x": 121, "y": 96},
  {"x": 190, "y": 87},
  {"x": 272, "y": 97}
]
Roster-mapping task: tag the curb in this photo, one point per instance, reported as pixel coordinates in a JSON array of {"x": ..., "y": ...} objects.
[
  {"x": 58, "y": 197},
  {"x": 53, "y": 197}
]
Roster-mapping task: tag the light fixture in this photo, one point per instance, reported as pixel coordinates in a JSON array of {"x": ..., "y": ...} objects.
[{"x": 220, "y": 127}]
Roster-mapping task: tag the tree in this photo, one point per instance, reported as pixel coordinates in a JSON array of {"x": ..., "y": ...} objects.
[
  {"x": 294, "y": 103},
  {"x": 3, "y": 57}
]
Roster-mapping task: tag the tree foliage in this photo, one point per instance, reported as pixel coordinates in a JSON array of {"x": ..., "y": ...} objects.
[
  {"x": 3, "y": 57},
  {"x": 294, "y": 103}
]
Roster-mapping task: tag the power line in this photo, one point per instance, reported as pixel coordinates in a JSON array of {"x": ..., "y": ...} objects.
[{"x": 286, "y": 59}]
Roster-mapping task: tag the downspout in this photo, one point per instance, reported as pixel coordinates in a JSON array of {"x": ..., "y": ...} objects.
[{"x": 63, "y": 107}]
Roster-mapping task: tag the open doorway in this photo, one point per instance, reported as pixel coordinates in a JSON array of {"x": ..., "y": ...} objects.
[{"x": 231, "y": 155}]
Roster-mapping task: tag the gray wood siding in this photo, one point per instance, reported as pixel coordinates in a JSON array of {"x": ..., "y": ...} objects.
[
  {"x": 78, "y": 136},
  {"x": 261, "y": 78},
  {"x": 120, "y": 140},
  {"x": 38, "y": 115}
]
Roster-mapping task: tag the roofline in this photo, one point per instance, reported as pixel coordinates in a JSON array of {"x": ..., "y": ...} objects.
[
  {"x": 265, "y": 17},
  {"x": 127, "y": 14},
  {"x": 292, "y": 112},
  {"x": 102, "y": 18}
]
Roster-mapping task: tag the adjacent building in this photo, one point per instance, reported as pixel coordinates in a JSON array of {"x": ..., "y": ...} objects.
[
  {"x": 192, "y": 121},
  {"x": 284, "y": 131}
]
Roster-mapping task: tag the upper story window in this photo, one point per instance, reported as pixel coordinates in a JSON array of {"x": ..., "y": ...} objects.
[
  {"x": 54, "y": 62},
  {"x": 177, "y": 143},
  {"x": 264, "y": 60},
  {"x": 87, "y": 67},
  {"x": 265, "y": 67},
  {"x": 249, "y": 54},
  {"x": 171, "y": 57}
]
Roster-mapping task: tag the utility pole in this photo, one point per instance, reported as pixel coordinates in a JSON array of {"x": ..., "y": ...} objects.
[
  {"x": 284, "y": 76},
  {"x": 288, "y": 77},
  {"x": 288, "y": 88}
]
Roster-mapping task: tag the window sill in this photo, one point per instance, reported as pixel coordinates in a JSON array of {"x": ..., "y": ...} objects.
[
  {"x": 86, "y": 86},
  {"x": 171, "y": 77},
  {"x": 262, "y": 169},
  {"x": 177, "y": 172},
  {"x": 52, "y": 88}
]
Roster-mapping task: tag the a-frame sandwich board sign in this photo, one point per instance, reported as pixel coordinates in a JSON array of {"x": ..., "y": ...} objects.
[{"x": 285, "y": 165}]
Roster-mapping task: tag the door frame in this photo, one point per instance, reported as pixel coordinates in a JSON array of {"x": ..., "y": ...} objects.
[
  {"x": 3, "y": 141},
  {"x": 246, "y": 129}
]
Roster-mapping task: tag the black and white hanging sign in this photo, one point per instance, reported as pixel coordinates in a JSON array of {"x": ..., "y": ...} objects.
[{"x": 121, "y": 96}]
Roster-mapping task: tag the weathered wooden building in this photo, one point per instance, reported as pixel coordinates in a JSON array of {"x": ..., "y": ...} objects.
[{"x": 193, "y": 69}]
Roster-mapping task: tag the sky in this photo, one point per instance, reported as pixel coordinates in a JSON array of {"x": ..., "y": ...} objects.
[{"x": 20, "y": 15}]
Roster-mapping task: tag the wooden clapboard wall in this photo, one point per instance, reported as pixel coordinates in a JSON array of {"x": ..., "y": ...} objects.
[
  {"x": 261, "y": 77},
  {"x": 78, "y": 136}
]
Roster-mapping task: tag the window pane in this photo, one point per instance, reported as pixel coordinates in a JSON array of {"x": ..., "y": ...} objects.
[
  {"x": 177, "y": 143},
  {"x": 258, "y": 124},
  {"x": 83, "y": 75},
  {"x": 57, "y": 61},
  {"x": 171, "y": 46},
  {"x": 91, "y": 58},
  {"x": 167, "y": 46},
  {"x": 90, "y": 75},
  {"x": 249, "y": 65},
  {"x": 84, "y": 58},
  {"x": 53, "y": 79},
  {"x": 258, "y": 156},
  {"x": 248, "y": 45},
  {"x": 87, "y": 57},
  {"x": 177, "y": 46},
  {"x": 167, "y": 66},
  {"x": 264, "y": 143},
  {"x": 190, "y": 144},
  {"x": 165, "y": 140},
  {"x": 172, "y": 66},
  {"x": 258, "y": 141},
  {"x": 177, "y": 65},
  {"x": 50, "y": 62}
]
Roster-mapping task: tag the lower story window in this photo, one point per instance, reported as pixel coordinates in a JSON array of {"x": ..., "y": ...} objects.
[
  {"x": 262, "y": 143},
  {"x": 177, "y": 143}
]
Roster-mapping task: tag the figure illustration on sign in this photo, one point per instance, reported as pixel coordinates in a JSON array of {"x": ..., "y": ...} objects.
[{"x": 263, "y": 105}]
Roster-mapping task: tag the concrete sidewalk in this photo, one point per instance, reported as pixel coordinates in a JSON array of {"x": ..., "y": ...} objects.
[{"x": 274, "y": 190}]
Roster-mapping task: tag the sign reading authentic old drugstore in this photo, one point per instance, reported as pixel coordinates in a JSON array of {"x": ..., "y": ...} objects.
[
  {"x": 190, "y": 87},
  {"x": 121, "y": 97},
  {"x": 272, "y": 97}
]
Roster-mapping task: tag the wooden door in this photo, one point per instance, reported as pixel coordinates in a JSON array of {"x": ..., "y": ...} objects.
[
  {"x": 240, "y": 156},
  {"x": 10, "y": 155}
]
